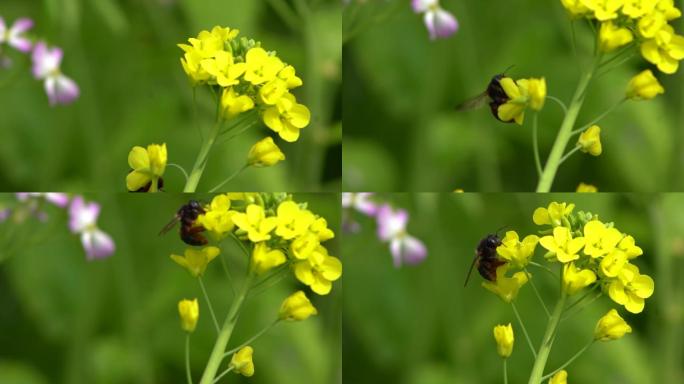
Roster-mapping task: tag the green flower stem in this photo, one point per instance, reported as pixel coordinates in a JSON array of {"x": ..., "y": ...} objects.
[
  {"x": 535, "y": 145},
  {"x": 226, "y": 331},
  {"x": 584, "y": 305},
  {"x": 569, "y": 307},
  {"x": 559, "y": 102},
  {"x": 202, "y": 157},
  {"x": 222, "y": 374},
  {"x": 581, "y": 351},
  {"x": 547, "y": 342},
  {"x": 565, "y": 132},
  {"x": 229, "y": 178},
  {"x": 600, "y": 117},
  {"x": 187, "y": 358},
  {"x": 544, "y": 267},
  {"x": 522, "y": 325},
  {"x": 505, "y": 371},
  {"x": 179, "y": 168},
  {"x": 567, "y": 155},
  {"x": 251, "y": 339},
  {"x": 211, "y": 308},
  {"x": 536, "y": 292}
]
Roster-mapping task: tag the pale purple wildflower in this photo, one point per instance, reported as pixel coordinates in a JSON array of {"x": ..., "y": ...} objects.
[
  {"x": 59, "y": 199},
  {"x": 439, "y": 22},
  {"x": 392, "y": 227},
  {"x": 14, "y": 35},
  {"x": 360, "y": 201},
  {"x": 83, "y": 220},
  {"x": 46, "y": 66}
]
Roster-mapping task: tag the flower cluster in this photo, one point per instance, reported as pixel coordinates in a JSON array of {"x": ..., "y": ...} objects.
[
  {"x": 439, "y": 22},
  {"x": 644, "y": 21},
  {"x": 278, "y": 230},
  {"x": 391, "y": 227},
  {"x": 59, "y": 88},
  {"x": 592, "y": 251},
  {"x": 249, "y": 77},
  {"x": 83, "y": 216},
  {"x": 516, "y": 96}
]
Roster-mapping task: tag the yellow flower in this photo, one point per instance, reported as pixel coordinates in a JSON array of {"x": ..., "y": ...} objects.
[
  {"x": 320, "y": 228},
  {"x": 304, "y": 245},
  {"x": 264, "y": 258},
  {"x": 255, "y": 223},
  {"x": 612, "y": 37},
  {"x": 559, "y": 378},
  {"x": 586, "y": 188},
  {"x": 514, "y": 108},
  {"x": 612, "y": 264},
  {"x": 148, "y": 167},
  {"x": 611, "y": 327},
  {"x": 196, "y": 260},
  {"x": 600, "y": 240},
  {"x": 288, "y": 75},
  {"x": 223, "y": 68},
  {"x": 631, "y": 288},
  {"x": 207, "y": 45},
  {"x": 506, "y": 287},
  {"x": 265, "y": 153},
  {"x": 628, "y": 245},
  {"x": 604, "y": 9},
  {"x": 218, "y": 218},
  {"x": 590, "y": 141},
  {"x": 553, "y": 215},
  {"x": 535, "y": 89},
  {"x": 261, "y": 67},
  {"x": 319, "y": 271},
  {"x": 636, "y": 9},
  {"x": 273, "y": 91},
  {"x": 503, "y": 335},
  {"x": 516, "y": 252},
  {"x": 562, "y": 244},
  {"x": 296, "y": 307},
  {"x": 644, "y": 86},
  {"x": 575, "y": 279},
  {"x": 242, "y": 363},
  {"x": 287, "y": 117},
  {"x": 293, "y": 221},
  {"x": 189, "y": 313},
  {"x": 234, "y": 104},
  {"x": 575, "y": 7},
  {"x": 665, "y": 50},
  {"x": 668, "y": 9}
]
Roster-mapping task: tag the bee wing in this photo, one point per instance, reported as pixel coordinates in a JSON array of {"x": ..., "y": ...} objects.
[
  {"x": 170, "y": 225},
  {"x": 470, "y": 270},
  {"x": 476, "y": 102}
]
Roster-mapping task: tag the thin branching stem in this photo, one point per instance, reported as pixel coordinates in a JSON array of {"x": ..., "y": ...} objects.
[{"x": 522, "y": 325}]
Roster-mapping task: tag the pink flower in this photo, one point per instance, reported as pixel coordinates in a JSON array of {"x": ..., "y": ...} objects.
[
  {"x": 46, "y": 66},
  {"x": 360, "y": 201},
  {"x": 59, "y": 199},
  {"x": 392, "y": 227},
  {"x": 14, "y": 36},
  {"x": 83, "y": 220},
  {"x": 440, "y": 23}
]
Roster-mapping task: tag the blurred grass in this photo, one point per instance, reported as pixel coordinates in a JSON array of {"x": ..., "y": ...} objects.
[
  {"x": 404, "y": 134},
  {"x": 65, "y": 320},
  {"x": 419, "y": 325},
  {"x": 123, "y": 55}
]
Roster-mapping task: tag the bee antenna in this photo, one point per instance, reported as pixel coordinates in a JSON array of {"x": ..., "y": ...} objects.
[
  {"x": 509, "y": 68},
  {"x": 470, "y": 270},
  {"x": 501, "y": 229}
]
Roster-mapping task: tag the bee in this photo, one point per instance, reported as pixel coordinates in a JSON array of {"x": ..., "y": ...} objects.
[
  {"x": 494, "y": 95},
  {"x": 486, "y": 259},
  {"x": 187, "y": 215}
]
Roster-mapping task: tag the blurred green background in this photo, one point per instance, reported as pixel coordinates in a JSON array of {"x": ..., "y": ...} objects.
[
  {"x": 123, "y": 55},
  {"x": 66, "y": 320},
  {"x": 404, "y": 134},
  {"x": 419, "y": 325}
]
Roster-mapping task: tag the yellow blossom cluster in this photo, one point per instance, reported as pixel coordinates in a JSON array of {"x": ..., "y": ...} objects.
[
  {"x": 249, "y": 77},
  {"x": 276, "y": 230},
  {"x": 645, "y": 22}
]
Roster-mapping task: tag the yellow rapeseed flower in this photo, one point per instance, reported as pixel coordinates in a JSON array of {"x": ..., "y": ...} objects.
[
  {"x": 234, "y": 104},
  {"x": 506, "y": 287},
  {"x": 604, "y": 9},
  {"x": 517, "y": 252},
  {"x": 218, "y": 218},
  {"x": 304, "y": 245},
  {"x": 265, "y": 153},
  {"x": 265, "y": 259},
  {"x": 665, "y": 50},
  {"x": 189, "y": 314},
  {"x": 319, "y": 271},
  {"x": 296, "y": 307},
  {"x": 255, "y": 223},
  {"x": 644, "y": 86},
  {"x": 514, "y": 108},
  {"x": 559, "y": 378},
  {"x": 586, "y": 188},
  {"x": 575, "y": 7},
  {"x": 287, "y": 117},
  {"x": 612, "y": 37},
  {"x": 223, "y": 68},
  {"x": 630, "y": 288},
  {"x": 590, "y": 141},
  {"x": 293, "y": 220},
  {"x": 552, "y": 215},
  {"x": 261, "y": 67},
  {"x": 575, "y": 279},
  {"x": 611, "y": 327},
  {"x": 148, "y": 167},
  {"x": 196, "y": 260},
  {"x": 599, "y": 239},
  {"x": 242, "y": 363},
  {"x": 562, "y": 244},
  {"x": 503, "y": 335}
]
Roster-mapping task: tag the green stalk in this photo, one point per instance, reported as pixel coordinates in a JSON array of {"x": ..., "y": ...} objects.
[
  {"x": 187, "y": 358},
  {"x": 226, "y": 331},
  {"x": 573, "y": 358},
  {"x": 252, "y": 339},
  {"x": 505, "y": 371},
  {"x": 565, "y": 132},
  {"x": 547, "y": 341},
  {"x": 201, "y": 161}
]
